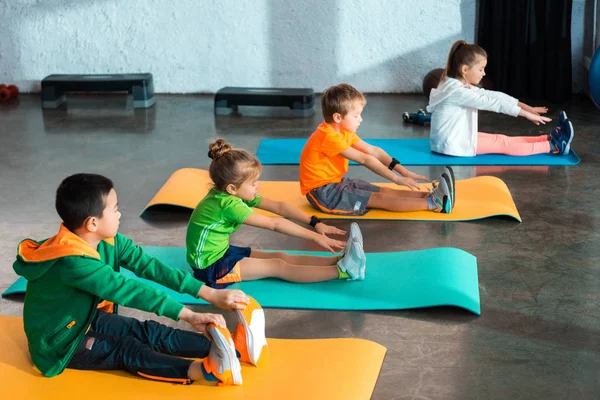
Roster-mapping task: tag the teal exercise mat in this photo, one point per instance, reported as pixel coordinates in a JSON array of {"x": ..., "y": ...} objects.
[
  {"x": 408, "y": 152},
  {"x": 394, "y": 281}
]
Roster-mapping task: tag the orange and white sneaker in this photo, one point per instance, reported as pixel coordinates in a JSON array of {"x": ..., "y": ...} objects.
[
  {"x": 222, "y": 361},
  {"x": 249, "y": 336}
]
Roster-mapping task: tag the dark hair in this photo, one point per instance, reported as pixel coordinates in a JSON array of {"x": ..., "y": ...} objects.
[
  {"x": 339, "y": 99},
  {"x": 81, "y": 196},
  {"x": 461, "y": 53},
  {"x": 231, "y": 166}
]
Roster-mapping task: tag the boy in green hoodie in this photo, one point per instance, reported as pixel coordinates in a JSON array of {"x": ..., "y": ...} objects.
[{"x": 74, "y": 279}]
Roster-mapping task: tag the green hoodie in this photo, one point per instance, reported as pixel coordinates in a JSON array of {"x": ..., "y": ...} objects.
[{"x": 67, "y": 279}]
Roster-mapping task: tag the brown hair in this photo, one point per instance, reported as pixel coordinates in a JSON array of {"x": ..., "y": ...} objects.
[
  {"x": 461, "y": 53},
  {"x": 339, "y": 99},
  {"x": 231, "y": 166}
]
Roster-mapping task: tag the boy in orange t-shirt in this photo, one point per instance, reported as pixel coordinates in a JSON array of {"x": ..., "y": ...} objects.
[{"x": 324, "y": 162}]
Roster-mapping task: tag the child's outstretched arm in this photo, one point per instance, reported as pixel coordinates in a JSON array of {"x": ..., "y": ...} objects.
[
  {"x": 496, "y": 102},
  {"x": 283, "y": 225},
  {"x": 143, "y": 265},
  {"x": 101, "y": 280},
  {"x": 386, "y": 159},
  {"x": 372, "y": 163},
  {"x": 289, "y": 211},
  {"x": 533, "y": 113},
  {"x": 533, "y": 110},
  {"x": 224, "y": 298},
  {"x": 535, "y": 118}
]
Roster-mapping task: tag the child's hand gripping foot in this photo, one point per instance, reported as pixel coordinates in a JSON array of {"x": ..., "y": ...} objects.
[
  {"x": 222, "y": 361},
  {"x": 249, "y": 336}
]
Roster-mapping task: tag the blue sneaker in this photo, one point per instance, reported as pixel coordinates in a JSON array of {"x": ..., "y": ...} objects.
[
  {"x": 354, "y": 262},
  {"x": 562, "y": 117},
  {"x": 562, "y": 138}
]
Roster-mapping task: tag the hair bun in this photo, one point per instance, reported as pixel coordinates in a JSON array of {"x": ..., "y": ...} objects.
[{"x": 217, "y": 148}]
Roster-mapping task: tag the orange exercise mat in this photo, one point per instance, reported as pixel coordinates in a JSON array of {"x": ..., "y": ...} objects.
[
  {"x": 476, "y": 198},
  {"x": 295, "y": 369}
]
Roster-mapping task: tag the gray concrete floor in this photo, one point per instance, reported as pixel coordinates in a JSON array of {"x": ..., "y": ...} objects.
[{"x": 538, "y": 336}]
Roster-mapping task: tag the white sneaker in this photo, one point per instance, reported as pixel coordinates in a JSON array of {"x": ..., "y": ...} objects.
[
  {"x": 355, "y": 236},
  {"x": 222, "y": 360},
  {"x": 441, "y": 197},
  {"x": 249, "y": 336},
  {"x": 354, "y": 262},
  {"x": 451, "y": 182}
]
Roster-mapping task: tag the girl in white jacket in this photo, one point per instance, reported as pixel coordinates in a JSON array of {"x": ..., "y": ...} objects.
[{"x": 454, "y": 106}]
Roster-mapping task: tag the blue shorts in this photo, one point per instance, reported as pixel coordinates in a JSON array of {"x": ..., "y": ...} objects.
[{"x": 222, "y": 273}]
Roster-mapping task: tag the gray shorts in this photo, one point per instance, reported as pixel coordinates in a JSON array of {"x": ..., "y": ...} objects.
[{"x": 348, "y": 197}]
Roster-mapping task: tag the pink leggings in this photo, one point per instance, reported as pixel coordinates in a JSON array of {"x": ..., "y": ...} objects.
[{"x": 493, "y": 143}]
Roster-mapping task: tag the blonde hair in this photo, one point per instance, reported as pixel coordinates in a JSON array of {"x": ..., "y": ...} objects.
[
  {"x": 339, "y": 99},
  {"x": 461, "y": 53},
  {"x": 231, "y": 166}
]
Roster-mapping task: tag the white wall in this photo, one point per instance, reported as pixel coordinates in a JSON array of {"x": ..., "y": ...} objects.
[{"x": 202, "y": 45}]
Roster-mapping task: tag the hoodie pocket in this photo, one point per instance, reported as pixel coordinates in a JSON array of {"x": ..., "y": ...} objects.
[{"x": 60, "y": 332}]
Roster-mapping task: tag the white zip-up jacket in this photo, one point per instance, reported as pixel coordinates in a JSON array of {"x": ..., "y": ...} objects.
[{"x": 454, "y": 108}]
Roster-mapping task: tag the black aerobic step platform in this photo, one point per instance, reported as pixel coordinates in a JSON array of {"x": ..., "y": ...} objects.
[
  {"x": 300, "y": 101},
  {"x": 140, "y": 86}
]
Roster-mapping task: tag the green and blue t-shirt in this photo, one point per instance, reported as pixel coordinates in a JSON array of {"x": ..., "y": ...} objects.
[{"x": 216, "y": 217}]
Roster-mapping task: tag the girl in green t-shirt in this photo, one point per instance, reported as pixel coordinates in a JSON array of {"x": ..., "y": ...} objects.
[{"x": 229, "y": 204}]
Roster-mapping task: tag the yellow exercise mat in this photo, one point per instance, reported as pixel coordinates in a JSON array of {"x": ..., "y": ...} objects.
[
  {"x": 295, "y": 369},
  {"x": 476, "y": 198}
]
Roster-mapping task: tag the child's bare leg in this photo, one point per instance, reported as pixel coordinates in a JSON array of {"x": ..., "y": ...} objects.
[
  {"x": 195, "y": 371},
  {"x": 304, "y": 260},
  {"x": 404, "y": 193},
  {"x": 260, "y": 268},
  {"x": 396, "y": 202}
]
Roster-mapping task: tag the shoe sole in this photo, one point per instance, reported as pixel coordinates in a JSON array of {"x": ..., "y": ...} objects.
[
  {"x": 255, "y": 329},
  {"x": 450, "y": 172},
  {"x": 445, "y": 198},
  {"x": 355, "y": 233},
  {"x": 562, "y": 120},
  {"x": 362, "y": 269},
  {"x": 450, "y": 190},
  {"x": 362, "y": 258},
  {"x": 568, "y": 146},
  {"x": 446, "y": 179},
  {"x": 228, "y": 352}
]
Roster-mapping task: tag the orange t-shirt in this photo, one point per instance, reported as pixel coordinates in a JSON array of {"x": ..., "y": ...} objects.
[{"x": 320, "y": 161}]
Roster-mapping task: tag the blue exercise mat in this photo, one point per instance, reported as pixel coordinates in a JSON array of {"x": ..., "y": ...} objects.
[
  {"x": 408, "y": 152},
  {"x": 394, "y": 281}
]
